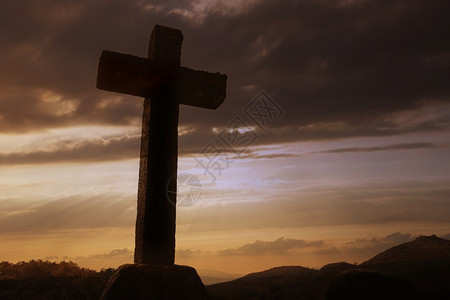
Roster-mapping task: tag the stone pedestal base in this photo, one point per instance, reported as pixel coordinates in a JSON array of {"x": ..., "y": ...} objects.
[{"x": 155, "y": 282}]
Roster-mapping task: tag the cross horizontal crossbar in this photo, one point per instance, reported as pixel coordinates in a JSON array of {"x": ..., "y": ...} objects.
[{"x": 129, "y": 74}]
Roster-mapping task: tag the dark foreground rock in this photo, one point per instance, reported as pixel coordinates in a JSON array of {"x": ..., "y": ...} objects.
[
  {"x": 362, "y": 284},
  {"x": 155, "y": 282}
]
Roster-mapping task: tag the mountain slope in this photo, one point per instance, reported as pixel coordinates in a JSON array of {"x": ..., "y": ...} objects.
[
  {"x": 424, "y": 262},
  {"x": 419, "y": 268},
  {"x": 288, "y": 282},
  {"x": 424, "y": 248}
]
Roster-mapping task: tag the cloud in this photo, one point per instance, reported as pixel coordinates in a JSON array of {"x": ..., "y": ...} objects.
[
  {"x": 261, "y": 153},
  {"x": 405, "y": 146},
  {"x": 117, "y": 257},
  {"x": 271, "y": 156},
  {"x": 113, "y": 259},
  {"x": 279, "y": 246},
  {"x": 364, "y": 247},
  {"x": 337, "y": 69},
  {"x": 189, "y": 253},
  {"x": 101, "y": 149},
  {"x": 126, "y": 146},
  {"x": 117, "y": 253},
  {"x": 376, "y": 245}
]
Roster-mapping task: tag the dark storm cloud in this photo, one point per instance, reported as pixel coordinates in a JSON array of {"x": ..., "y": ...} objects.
[
  {"x": 54, "y": 46},
  {"x": 351, "y": 64},
  {"x": 336, "y": 69}
]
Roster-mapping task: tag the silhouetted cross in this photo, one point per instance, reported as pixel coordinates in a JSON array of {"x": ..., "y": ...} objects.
[{"x": 164, "y": 84}]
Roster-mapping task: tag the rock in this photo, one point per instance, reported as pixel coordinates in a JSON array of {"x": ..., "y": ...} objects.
[
  {"x": 155, "y": 282},
  {"x": 362, "y": 284}
]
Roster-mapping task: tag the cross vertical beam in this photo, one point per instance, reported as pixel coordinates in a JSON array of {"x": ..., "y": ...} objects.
[{"x": 155, "y": 223}]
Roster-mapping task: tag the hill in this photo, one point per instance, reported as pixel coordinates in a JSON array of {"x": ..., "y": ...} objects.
[
  {"x": 415, "y": 270},
  {"x": 422, "y": 249},
  {"x": 424, "y": 262},
  {"x": 288, "y": 282}
]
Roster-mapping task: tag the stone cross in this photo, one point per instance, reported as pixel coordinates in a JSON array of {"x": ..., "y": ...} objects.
[{"x": 165, "y": 85}]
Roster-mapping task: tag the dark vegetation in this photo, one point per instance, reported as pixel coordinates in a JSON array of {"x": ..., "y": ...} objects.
[
  {"x": 39, "y": 279},
  {"x": 416, "y": 270}
]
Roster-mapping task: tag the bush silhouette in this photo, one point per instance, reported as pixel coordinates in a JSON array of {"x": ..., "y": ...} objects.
[{"x": 39, "y": 279}]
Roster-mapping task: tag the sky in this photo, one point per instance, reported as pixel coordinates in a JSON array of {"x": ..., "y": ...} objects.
[{"x": 332, "y": 143}]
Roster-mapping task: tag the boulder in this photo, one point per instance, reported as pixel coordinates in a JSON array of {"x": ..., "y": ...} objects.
[{"x": 141, "y": 281}]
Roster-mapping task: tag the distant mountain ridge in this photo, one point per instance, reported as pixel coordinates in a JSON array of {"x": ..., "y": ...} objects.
[
  {"x": 419, "y": 269},
  {"x": 423, "y": 248}
]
